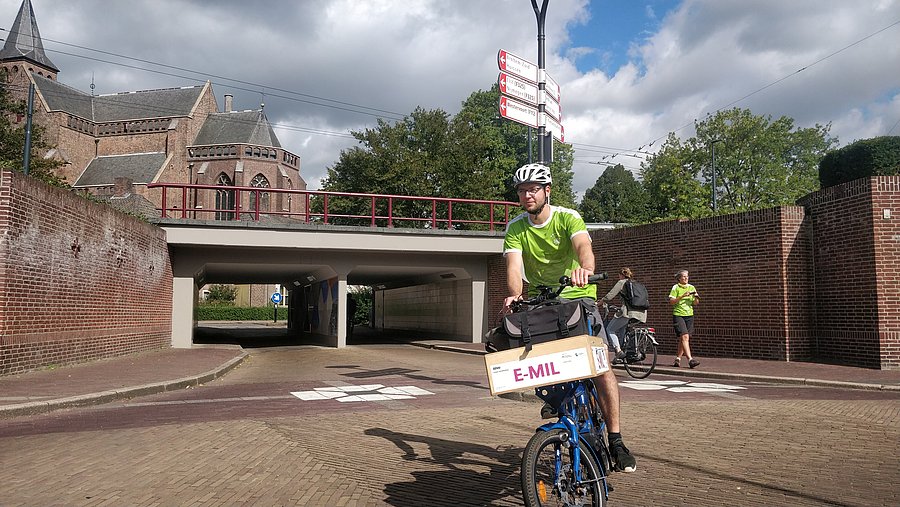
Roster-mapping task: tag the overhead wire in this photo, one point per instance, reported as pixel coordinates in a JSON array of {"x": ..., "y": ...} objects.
[
  {"x": 163, "y": 111},
  {"x": 820, "y": 60},
  {"x": 292, "y": 95},
  {"x": 260, "y": 88}
]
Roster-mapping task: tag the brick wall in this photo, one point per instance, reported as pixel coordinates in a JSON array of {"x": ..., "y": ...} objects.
[
  {"x": 886, "y": 196},
  {"x": 856, "y": 271},
  {"x": 740, "y": 266},
  {"x": 78, "y": 280}
]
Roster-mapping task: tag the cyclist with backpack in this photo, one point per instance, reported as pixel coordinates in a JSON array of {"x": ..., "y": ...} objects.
[
  {"x": 635, "y": 302},
  {"x": 541, "y": 245}
]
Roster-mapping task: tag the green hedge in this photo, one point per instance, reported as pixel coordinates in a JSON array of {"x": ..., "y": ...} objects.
[
  {"x": 879, "y": 156},
  {"x": 222, "y": 312}
]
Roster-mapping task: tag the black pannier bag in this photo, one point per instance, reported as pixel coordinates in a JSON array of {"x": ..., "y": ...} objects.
[{"x": 545, "y": 323}]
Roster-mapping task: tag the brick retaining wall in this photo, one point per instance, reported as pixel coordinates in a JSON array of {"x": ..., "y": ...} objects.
[{"x": 78, "y": 280}]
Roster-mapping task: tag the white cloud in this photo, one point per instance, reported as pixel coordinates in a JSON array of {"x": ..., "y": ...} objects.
[{"x": 394, "y": 56}]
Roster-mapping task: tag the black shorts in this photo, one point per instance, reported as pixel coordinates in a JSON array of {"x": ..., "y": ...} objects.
[{"x": 683, "y": 325}]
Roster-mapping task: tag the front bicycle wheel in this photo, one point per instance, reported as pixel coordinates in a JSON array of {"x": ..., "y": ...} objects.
[
  {"x": 548, "y": 475},
  {"x": 640, "y": 362}
]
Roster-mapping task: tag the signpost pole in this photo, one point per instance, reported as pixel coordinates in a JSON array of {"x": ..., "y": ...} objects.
[
  {"x": 276, "y": 299},
  {"x": 541, "y": 15}
]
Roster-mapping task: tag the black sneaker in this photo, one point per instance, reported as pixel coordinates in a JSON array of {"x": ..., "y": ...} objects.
[
  {"x": 622, "y": 458},
  {"x": 693, "y": 363}
]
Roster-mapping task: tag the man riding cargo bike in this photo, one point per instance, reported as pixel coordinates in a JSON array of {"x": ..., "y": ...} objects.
[{"x": 543, "y": 244}]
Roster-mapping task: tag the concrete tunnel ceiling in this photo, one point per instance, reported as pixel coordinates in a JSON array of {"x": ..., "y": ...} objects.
[
  {"x": 386, "y": 276},
  {"x": 381, "y": 269},
  {"x": 258, "y": 270}
]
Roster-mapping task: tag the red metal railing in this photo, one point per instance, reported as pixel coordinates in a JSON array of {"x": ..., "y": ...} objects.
[{"x": 217, "y": 202}]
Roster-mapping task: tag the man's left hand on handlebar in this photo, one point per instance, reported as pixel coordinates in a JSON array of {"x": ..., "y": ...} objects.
[
  {"x": 580, "y": 276},
  {"x": 508, "y": 302}
]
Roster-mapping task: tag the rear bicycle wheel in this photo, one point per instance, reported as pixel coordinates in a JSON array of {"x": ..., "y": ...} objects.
[
  {"x": 641, "y": 362},
  {"x": 549, "y": 451}
]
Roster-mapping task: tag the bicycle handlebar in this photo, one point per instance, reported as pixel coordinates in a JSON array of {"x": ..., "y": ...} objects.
[{"x": 547, "y": 293}]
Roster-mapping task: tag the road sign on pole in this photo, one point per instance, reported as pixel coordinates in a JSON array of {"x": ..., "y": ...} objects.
[
  {"x": 551, "y": 107},
  {"x": 518, "y": 88},
  {"x": 518, "y": 111},
  {"x": 276, "y": 297},
  {"x": 554, "y": 127},
  {"x": 520, "y": 67},
  {"x": 552, "y": 88}
]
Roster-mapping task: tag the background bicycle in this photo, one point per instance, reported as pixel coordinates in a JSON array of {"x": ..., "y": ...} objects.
[{"x": 639, "y": 345}]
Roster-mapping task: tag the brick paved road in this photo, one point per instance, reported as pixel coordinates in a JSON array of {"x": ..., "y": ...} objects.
[{"x": 245, "y": 440}]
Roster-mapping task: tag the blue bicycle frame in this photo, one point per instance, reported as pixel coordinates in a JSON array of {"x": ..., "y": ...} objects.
[{"x": 574, "y": 401}]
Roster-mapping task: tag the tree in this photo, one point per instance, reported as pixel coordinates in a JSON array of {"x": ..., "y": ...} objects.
[
  {"x": 615, "y": 197},
  {"x": 362, "y": 295},
  {"x": 879, "y": 156},
  {"x": 429, "y": 153},
  {"x": 760, "y": 163},
  {"x": 671, "y": 184},
  {"x": 221, "y": 295},
  {"x": 12, "y": 142}
]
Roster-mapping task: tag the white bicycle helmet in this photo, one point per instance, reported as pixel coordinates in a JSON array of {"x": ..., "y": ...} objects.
[{"x": 532, "y": 173}]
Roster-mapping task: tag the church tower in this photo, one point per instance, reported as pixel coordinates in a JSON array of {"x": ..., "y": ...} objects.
[{"x": 23, "y": 52}]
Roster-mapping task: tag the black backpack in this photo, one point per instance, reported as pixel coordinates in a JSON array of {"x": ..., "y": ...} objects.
[{"x": 635, "y": 295}]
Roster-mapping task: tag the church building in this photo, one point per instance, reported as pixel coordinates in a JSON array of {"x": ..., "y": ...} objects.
[{"x": 114, "y": 145}]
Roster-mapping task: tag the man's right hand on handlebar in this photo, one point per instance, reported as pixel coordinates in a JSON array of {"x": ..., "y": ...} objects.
[{"x": 580, "y": 276}]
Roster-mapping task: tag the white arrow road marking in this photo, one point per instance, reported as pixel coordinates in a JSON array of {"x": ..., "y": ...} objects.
[
  {"x": 679, "y": 386},
  {"x": 370, "y": 392}
]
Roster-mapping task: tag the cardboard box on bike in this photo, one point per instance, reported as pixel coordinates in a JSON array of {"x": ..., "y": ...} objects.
[{"x": 552, "y": 362}]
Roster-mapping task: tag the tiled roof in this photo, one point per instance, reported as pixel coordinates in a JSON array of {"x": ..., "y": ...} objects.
[
  {"x": 164, "y": 103},
  {"x": 60, "y": 97},
  {"x": 248, "y": 127},
  {"x": 140, "y": 168}
]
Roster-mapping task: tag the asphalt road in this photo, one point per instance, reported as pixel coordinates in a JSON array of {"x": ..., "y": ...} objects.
[{"x": 401, "y": 425}]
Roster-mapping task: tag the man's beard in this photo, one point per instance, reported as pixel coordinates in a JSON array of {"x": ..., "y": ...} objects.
[{"x": 537, "y": 207}]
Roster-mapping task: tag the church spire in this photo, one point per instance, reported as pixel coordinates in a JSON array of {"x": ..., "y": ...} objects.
[{"x": 24, "y": 39}]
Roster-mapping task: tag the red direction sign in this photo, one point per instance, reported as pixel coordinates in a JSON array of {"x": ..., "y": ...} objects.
[
  {"x": 518, "y": 112},
  {"x": 518, "y": 88},
  {"x": 517, "y": 66}
]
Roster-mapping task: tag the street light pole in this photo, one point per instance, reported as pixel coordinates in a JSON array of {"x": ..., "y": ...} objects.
[
  {"x": 541, "y": 15},
  {"x": 713, "y": 180},
  {"x": 26, "y": 156}
]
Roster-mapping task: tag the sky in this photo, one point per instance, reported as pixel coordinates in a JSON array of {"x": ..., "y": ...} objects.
[{"x": 630, "y": 71}]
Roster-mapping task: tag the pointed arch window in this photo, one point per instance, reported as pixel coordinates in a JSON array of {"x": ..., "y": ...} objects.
[
  {"x": 259, "y": 181},
  {"x": 224, "y": 199},
  {"x": 290, "y": 196}
]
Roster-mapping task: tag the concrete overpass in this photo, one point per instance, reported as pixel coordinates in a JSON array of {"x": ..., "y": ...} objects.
[{"x": 431, "y": 280}]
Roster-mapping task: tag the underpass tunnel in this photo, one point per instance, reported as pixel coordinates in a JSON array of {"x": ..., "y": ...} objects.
[{"x": 414, "y": 296}]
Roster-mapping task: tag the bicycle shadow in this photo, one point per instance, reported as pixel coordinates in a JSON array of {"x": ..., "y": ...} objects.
[{"x": 459, "y": 482}]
